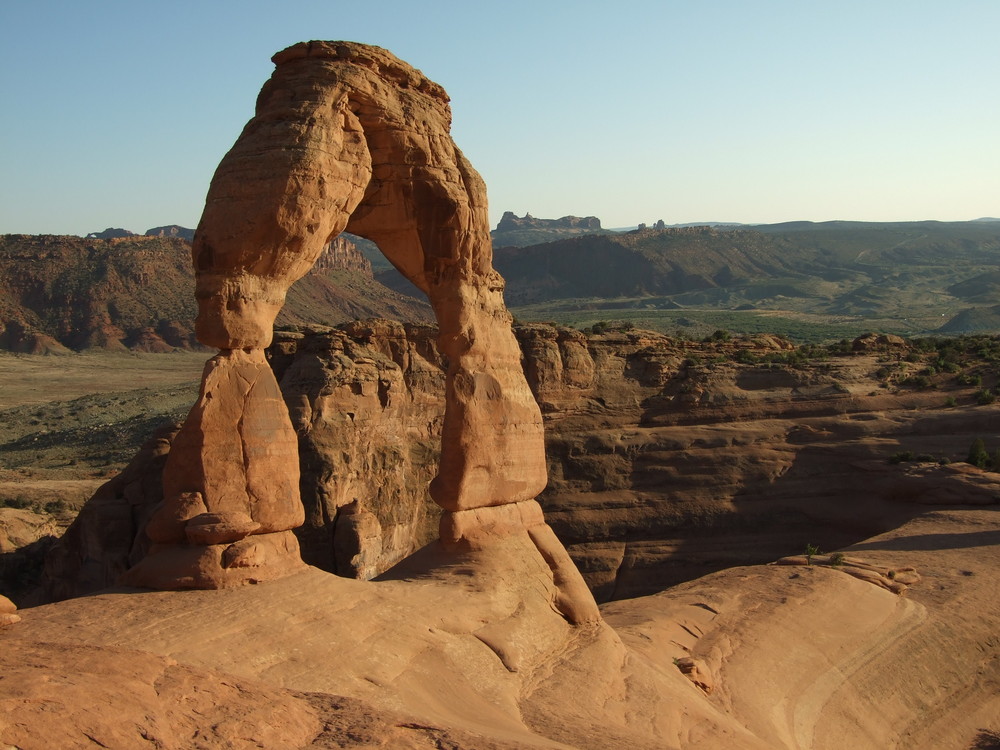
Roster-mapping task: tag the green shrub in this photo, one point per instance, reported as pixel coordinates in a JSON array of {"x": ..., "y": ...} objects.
[
  {"x": 840, "y": 347},
  {"x": 19, "y": 502},
  {"x": 811, "y": 549},
  {"x": 978, "y": 455},
  {"x": 719, "y": 335},
  {"x": 917, "y": 381}
]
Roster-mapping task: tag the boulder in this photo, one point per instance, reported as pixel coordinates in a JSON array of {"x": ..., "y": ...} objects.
[{"x": 8, "y": 612}]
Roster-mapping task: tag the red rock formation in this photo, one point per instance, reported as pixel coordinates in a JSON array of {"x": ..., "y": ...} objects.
[
  {"x": 340, "y": 254},
  {"x": 346, "y": 136},
  {"x": 232, "y": 474},
  {"x": 667, "y": 459}
]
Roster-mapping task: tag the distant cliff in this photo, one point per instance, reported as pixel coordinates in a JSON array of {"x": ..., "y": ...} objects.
[
  {"x": 892, "y": 271},
  {"x": 510, "y": 221},
  {"x": 60, "y": 293}
]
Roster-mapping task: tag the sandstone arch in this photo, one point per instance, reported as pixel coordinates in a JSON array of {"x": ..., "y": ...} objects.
[{"x": 345, "y": 137}]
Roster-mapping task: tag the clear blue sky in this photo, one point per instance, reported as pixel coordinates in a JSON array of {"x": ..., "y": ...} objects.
[{"x": 116, "y": 112}]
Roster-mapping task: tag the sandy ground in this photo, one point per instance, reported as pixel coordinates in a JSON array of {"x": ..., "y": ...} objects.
[
  {"x": 29, "y": 379},
  {"x": 79, "y": 417}
]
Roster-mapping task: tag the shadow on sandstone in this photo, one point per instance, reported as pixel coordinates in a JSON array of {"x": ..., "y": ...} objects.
[
  {"x": 21, "y": 571},
  {"x": 701, "y": 490},
  {"x": 930, "y": 542},
  {"x": 830, "y": 497}
]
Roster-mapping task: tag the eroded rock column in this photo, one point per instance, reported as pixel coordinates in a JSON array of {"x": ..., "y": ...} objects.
[{"x": 231, "y": 482}]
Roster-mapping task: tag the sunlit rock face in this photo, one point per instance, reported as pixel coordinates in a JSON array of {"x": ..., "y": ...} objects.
[{"x": 345, "y": 137}]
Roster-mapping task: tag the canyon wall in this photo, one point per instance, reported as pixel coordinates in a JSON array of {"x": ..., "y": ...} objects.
[{"x": 667, "y": 459}]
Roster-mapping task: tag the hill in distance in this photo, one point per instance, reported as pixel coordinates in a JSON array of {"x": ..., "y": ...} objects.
[
  {"x": 903, "y": 277},
  {"x": 64, "y": 293},
  {"x": 171, "y": 230},
  {"x": 809, "y": 281}
]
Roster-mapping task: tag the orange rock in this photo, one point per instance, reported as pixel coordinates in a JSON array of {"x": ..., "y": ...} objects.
[
  {"x": 346, "y": 136},
  {"x": 8, "y": 612},
  {"x": 237, "y": 446},
  {"x": 167, "y": 523},
  {"x": 694, "y": 670},
  {"x": 254, "y": 559},
  {"x": 232, "y": 471},
  {"x": 219, "y": 528}
]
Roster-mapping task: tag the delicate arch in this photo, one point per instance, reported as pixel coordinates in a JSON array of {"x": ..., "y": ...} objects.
[{"x": 346, "y": 136}]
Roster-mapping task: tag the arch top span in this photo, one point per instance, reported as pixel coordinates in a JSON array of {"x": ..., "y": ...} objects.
[{"x": 346, "y": 136}]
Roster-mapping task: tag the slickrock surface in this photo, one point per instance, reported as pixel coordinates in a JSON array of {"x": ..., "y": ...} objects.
[{"x": 466, "y": 651}]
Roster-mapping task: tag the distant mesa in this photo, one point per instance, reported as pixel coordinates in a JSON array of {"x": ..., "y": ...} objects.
[
  {"x": 521, "y": 231},
  {"x": 171, "y": 230},
  {"x": 133, "y": 292},
  {"x": 510, "y": 221},
  {"x": 110, "y": 234}
]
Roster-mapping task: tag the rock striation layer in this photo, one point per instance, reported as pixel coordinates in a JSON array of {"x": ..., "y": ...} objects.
[{"x": 345, "y": 137}]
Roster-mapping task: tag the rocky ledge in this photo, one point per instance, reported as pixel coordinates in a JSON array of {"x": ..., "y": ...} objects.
[{"x": 667, "y": 459}]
